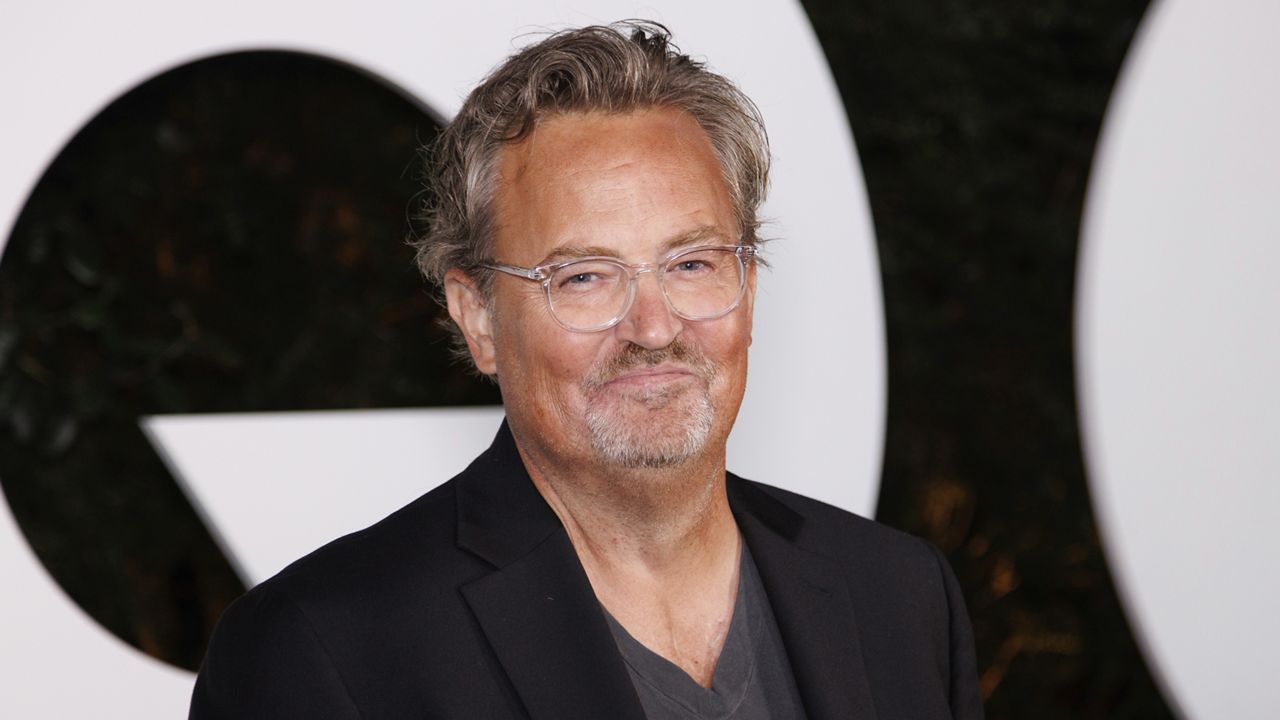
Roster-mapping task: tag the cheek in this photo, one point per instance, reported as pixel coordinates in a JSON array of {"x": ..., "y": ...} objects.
[
  {"x": 733, "y": 338},
  {"x": 545, "y": 364},
  {"x": 729, "y": 353}
]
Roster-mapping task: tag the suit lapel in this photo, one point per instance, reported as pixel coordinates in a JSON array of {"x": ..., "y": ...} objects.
[
  {"x": 546, "y": 627},
  {"x": 537, "y": 609},
  {"x": 811, "y": 606},
  {"x": 541, "y": 617}
]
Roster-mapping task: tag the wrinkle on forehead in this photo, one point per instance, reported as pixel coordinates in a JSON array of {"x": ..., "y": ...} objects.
[
  {"x": 582, "y": 172},
  {"x": 518, "y": 159}
]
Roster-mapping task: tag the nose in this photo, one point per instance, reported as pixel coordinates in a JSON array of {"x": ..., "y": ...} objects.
[{"x": 649, "y": 322}]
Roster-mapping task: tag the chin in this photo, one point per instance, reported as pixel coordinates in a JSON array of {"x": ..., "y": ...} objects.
[{"x": 640, "y": 435}]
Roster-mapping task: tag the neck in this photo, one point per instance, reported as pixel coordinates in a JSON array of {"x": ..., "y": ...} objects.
[
  {"x": 656, "y": 518},
  {"x": 660, "y": 548}
]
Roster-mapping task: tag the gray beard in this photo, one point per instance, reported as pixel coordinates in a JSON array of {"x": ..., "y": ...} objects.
[
  {"x": 649, "y": 445},
  {"x": 656, "y": 441}
]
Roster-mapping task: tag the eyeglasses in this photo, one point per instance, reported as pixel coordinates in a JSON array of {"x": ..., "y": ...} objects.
[{"x": 594, "y": 293}]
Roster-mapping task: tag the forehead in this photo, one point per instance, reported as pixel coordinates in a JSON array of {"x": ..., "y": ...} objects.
[{"x": 623, "y": 182}]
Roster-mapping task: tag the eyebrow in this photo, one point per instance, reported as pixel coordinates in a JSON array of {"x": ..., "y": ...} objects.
[
  {"x": 573, "y": 252},
  {"x": 692, "y": 237},
  {"x": 696, "y": 236}
]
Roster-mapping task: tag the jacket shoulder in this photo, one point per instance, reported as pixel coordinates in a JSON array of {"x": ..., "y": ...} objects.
[
  {"x": 833, "y": 531},
  {"x": 407, "y": 547},
  {"x": 886, "y": 570},
  {"x": 349, "y": 617},
  {"x": 903, "y": 589}
]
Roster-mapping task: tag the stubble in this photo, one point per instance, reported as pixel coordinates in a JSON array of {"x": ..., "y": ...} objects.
[{"x": 650, "y": 427}]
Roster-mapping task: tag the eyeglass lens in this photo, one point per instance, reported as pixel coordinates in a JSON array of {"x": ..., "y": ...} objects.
[{"x": 699, "y": 284}]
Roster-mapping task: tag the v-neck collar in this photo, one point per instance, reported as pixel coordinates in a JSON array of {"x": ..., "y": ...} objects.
[
  {"x": 549, "y": 633},
  {"x": 735, "y": 667}
]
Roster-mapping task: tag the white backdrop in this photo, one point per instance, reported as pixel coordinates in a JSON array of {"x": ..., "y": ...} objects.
[
  {"x": 817, "y": 375},
  {"x": 1179, "y": 347}
]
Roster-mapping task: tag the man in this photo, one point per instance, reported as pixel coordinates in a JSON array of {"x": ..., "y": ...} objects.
[{"x": 594, "y": 232}]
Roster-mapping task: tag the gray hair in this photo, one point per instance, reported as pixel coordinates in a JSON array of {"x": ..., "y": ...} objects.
[{"x": 618, "y": 68}]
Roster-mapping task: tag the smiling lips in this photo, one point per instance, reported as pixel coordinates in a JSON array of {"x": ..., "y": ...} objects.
[
  {"x": 638, "y": 368},
  {"x": 654, "y": 375}
]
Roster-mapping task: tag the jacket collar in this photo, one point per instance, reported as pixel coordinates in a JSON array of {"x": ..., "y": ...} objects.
[
  {"x": 811, "y": 605},
  {"x": 537, "y": 608},
  {"x": 547, "y": 628},
  {"x": 501, "y": 515}
]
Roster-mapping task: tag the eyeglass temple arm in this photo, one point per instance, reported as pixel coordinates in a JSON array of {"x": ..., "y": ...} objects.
[{"x": 526, "y": 273}]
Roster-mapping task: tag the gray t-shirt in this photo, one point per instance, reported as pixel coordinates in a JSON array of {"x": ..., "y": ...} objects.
[{"x": 752, "y": 681}]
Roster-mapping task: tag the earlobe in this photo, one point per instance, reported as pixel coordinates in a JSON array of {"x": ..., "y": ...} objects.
[{"x": 469, "y": 310}]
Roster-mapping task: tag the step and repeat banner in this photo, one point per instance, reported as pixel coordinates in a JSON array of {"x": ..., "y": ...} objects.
[{"x": 215, "y": 353}]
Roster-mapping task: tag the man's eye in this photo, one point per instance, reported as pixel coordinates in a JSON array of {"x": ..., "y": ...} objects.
[
  {"x": 582, "y": 278},
  {"x": 691, "y": 266}
]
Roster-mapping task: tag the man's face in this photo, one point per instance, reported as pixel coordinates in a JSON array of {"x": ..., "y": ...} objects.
[{"x": 655, "y": 389}]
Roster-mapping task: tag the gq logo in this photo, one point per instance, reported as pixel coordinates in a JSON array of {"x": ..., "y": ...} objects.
[
  {"x": 1176, "y": 339},
  {"x": 179, "y": 354}
]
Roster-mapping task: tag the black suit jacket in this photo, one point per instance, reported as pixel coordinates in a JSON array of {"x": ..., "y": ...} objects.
[{"x": 471, "y": 603}]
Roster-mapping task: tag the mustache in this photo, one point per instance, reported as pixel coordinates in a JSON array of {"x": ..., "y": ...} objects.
[{"x": 631, "y": 357}]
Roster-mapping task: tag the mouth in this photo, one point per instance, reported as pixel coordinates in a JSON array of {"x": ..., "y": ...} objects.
[
  {"x": 648, "y": 374},
  {"x": 647, "y": 377}
]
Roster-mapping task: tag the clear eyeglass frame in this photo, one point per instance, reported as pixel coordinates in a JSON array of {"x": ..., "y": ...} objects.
[{"x": 543, "y": 274}]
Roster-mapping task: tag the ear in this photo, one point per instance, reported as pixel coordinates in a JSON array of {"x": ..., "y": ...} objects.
[
  {"x": 749, "y": 299},
  {"x": 469, "y": 310}
]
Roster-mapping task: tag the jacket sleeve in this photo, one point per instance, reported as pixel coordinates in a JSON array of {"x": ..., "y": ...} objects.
[
  {"x": 965, "y": 695},
  {"x": 266, "y": 661}
]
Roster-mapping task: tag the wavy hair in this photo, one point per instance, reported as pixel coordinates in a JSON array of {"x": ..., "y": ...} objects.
[{"x": 622, "y": 67}]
